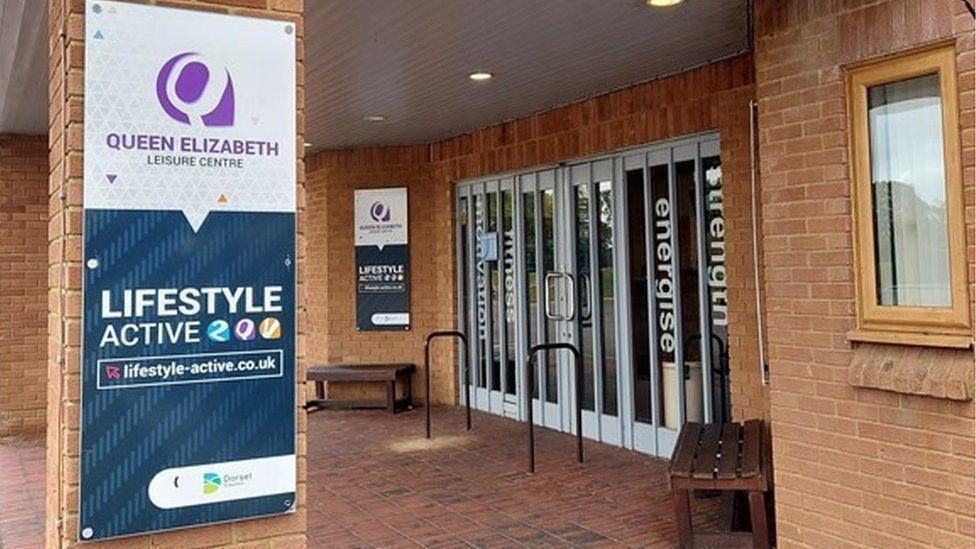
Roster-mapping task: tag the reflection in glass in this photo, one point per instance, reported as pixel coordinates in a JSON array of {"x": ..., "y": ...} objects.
[
  {"x": 717, "y": 303},
  {"x": 607, "y": 298},
  {"x": 664, "y": 319},
  {"x": 508, "y": 286},
  {"x": 687, "y": 232},
  {"x": 464, "y": 314},
  {"x": 531, "y": 275},
  {"x": 548, "y": 265},
  {"x": 584, "y": 277},
  {"x": 493, "y": 295},
  {"x": 481, "y": 286},
  {"x": 908, "y": 183},
  {"x": 640, "y": 343}
]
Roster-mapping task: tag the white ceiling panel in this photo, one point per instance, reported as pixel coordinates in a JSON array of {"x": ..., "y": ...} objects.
[{"x": 408, "y": 60}]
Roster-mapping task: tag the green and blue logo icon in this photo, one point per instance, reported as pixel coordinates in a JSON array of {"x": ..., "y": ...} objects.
[{"x": 211, "y": 483}]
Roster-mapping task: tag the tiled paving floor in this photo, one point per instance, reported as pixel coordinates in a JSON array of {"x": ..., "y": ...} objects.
[
  {"x": 22, "y": 494},
  {"x": 374, "y": 481}
]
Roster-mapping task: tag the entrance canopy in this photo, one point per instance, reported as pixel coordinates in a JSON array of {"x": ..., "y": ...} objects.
[{"x": 407, "y": 63}]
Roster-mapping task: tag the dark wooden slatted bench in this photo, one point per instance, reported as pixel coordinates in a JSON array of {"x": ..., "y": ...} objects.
[
  {"x": 389, "y": 374},
  {"x": 721, "y": 456}
]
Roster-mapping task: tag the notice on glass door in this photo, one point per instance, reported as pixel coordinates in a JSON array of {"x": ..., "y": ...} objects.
[
  {"x": 188, "y": 330},
  {"x": 382, "y": 260}
]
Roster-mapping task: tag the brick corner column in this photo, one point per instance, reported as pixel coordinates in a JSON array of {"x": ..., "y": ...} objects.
[
  {"x": 65, "y": 144},
  {"x": 23, "y": 275}
]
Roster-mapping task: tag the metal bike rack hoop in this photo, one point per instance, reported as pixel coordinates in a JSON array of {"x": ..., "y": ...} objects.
[
  {"x": 467, "y": 384},
  {"x": 530, "y": 389}
]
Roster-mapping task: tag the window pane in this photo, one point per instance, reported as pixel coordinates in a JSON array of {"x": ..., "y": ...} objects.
[
  {"x": 481, "y": 287},
  {"x": 584, "y": 300},
  {"x": 495, "y": 351},
  {"x": 689, "y": 375},
  {"x": 908, "y": 192},
  {"x": 664, "y": 316},
  {"x": 548, "y": 265},
  {"x": 637, "y": 256},
  {"x": 508, "y": 293},
  {"x": 531, "y": 285},
  {"x": 604, "y": 219},
  {"x": 717, "y": 302}
]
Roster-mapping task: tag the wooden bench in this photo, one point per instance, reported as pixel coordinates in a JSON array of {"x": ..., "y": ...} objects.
[
  {"x": 721, "y": 456},
  {"x": 386, "y": 373}
]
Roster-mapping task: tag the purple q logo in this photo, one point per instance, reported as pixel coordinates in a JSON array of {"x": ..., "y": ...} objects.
[
  {"x": 380, "y": 212},
  {"x": 191, "y": 97}
]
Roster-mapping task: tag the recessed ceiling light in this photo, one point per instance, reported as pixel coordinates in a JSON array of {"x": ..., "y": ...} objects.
[
  {"x": 663, "y": 3},
  {"x": 374, "y": 118},
  {"x": 480, "y": 76}
]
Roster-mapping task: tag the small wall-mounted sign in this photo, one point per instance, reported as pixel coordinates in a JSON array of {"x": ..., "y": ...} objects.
[
  {"x": 488, "y": 247},
  {"x": 382, "y": 259}
]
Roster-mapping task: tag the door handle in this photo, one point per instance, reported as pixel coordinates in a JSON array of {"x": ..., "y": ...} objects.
[
  {"x": 586, "y": 313},
  {"x": 571, "y": 313},
  {"x": 571, "y": 306},
  {"x": 547, "y": 297}
]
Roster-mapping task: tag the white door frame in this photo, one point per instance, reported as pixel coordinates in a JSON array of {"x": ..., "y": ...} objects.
[{"x": 623, "y": 428}]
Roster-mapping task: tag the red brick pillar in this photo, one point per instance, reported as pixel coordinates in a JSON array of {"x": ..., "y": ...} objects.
[
  {"x": 66, "y": 74},
  {"x": 23, "y": 263}
]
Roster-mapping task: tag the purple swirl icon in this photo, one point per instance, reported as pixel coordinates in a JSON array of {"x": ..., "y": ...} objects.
[
  {"x": 190, "y": 93},
  {"x": 244, "y": 329},
  {"x": 380, "y": 212}
]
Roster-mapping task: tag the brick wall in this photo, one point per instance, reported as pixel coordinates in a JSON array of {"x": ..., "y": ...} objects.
[
  {"x": 23, "y": 278},
  {"x": 854, "y": 466},
  {"x": 711, "y": 98},
  {"x": 714, "y": 97},
  {"x": 333, "y": 176},
  {"x": 64, "y": 294}
]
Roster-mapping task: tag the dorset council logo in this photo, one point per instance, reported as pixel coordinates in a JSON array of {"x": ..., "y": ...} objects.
[
  {"x": 211, "y": 483},
  {"x": 191, "y": 93},
  {"x": 380, "y": 212}
]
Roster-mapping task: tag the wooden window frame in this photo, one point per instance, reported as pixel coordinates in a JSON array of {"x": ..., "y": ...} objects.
[{"x": 931, "y": 326}]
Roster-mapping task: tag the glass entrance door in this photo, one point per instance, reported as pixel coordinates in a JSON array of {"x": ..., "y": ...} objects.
[
  {"x": 590, "y": 247},
  {"x": 623, "y": 256},
  {"x": 543, "y": 300},
  {"x": 678, "y": 302},
  {"x": 488, "y": 280},
  {"x": 506, "y": 248}
]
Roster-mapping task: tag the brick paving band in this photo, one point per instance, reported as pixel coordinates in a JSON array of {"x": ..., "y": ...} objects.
[{"x": 374, "y": 481}]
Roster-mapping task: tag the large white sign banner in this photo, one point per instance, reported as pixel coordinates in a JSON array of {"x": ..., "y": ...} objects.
[
  {"x": 188, "y": 349},
  {"x": 189, "y": 111}
]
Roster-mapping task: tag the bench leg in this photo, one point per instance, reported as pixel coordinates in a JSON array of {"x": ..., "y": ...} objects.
[
  {"x": 760, "y": 527},
  {"x": 391, "y": 396},
  {"x": 315, "y": 404},
  {"x": 682, "y": 514},
  {"x": 409, "y": 384}
]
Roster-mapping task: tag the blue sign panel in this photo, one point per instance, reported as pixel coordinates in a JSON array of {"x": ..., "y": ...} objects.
[
  {"x": 163, "y": 390},
  {"x": 188, "y": 347}
]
